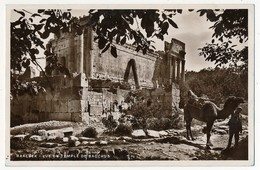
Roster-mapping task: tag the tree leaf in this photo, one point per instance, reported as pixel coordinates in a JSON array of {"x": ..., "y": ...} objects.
[
  {"x": 164, "y": 16},
  {"x": 26, "y": 63},
  {"x": 102, "y": 42},
  {"x": 172, "y": 23},
  {"x": 37, "y": 27},
  {"x": 211, "y": 16},
  {"x": 42, "y": 20},
  {"x": 123, "y": 40},
  {"x": 106, "y": 48},
  {"x": 34, "y": 15},
  {"x": 202, "y": 12},
  {"x": 114, "y": 51},
  {"x": 41, "y": 10},
  {"x": 118, "y": 39},
  {"x": 179, "y": 11},
  {"x": 20, "y": 12},
  {"x": 165, "y": 27}
]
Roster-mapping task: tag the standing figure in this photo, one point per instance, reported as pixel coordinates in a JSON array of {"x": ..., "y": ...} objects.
[{"x": 235, "y": 126}]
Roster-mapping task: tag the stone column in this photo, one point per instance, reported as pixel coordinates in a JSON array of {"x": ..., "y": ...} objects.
[
  {"x": 173, "y": 69},
  {"x": 170, "y": 68},
  {"x": 71, "y": 57},
  {"x": 81, "y": 48},
  {"x": 178, "y": 69},
  {"x": 183, "y": 70},
  {"x": 91, "y": 40}
]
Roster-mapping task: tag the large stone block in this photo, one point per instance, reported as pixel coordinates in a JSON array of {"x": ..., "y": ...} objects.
[
  {"x": 60, "y": 106},
  {"x": 76, "y": 117},
  {"x": 60, "y": 116},
  {"x": 74, "y": 106},
  {"x": 85, "y": 116},
  {"x": 41, "y": 105},
  {"x": 48, "y": 106},
  {"x": 96, "y": 110}
]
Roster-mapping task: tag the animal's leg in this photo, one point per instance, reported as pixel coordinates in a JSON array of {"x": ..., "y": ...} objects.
[
  {"x": 192, "y": 138},
  {"x": 209, "y": 127}
]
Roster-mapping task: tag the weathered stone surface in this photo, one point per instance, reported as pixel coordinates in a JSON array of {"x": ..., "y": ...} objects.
[
  {"x": 220, "y": 131},
  {"x": 163, "y": 133},
  {"x": 86, "y": 139},
  {"x": 37, "y": 138},
  {"x": 19, "y": 137},
  {"x": 55, "y": 133},
  {"x": 92, "y": 142},
  {"x": 138, "y": 133},
  {"x": 74, "y": 106},
  {"x": 77, "y": 143},
  {"x": 60, "y": 106},
  {"x": 60, "y": 116},
  {"x": 49, "y": 145},
  {"x": 42, "y": 132},
  {"x": 84, "y": 142},
  {"x": 102, "y": 142},
  {"x": 65, "y": 139},
  {"x": 127, "y": 138},
  {"x": 73, "y": 138},
  {"x": 153, "y": 133},
  {"x": 67, "y": 131}
]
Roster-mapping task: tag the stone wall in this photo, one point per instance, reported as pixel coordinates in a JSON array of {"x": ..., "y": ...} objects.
[
  {"x": 71, "y": 100},
  {"x": 106, "y": 66}
]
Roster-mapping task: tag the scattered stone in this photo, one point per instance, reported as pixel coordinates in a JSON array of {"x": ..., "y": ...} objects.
[
  {"x": 37, "y": 138},
  {"x": 153, "y": 133},
  {"x": 67, "y": 131},
  {"x": 49, "y": 145},
  {"x": 53, "y": 134},
  {"x": 163, "y": 133},
  {"x": 103, "y": 142},
  {"x": 223, "y": 127},
  {"x": 85, "y": 139},
  {"x": 42, "y": 132},
  {"x": 124, "y": 138},
  {"x": 73, "y": 138},
  {"x": 76, "y": 143},
  {"x": 65, "y": 139},
  {"x": 84, "y": 142},
  {"x": 138, "y": 133},
  {"x": 220, "y": 131},
  {"x": 19, "y": 137},
  {"x": 92, "y": 142}
]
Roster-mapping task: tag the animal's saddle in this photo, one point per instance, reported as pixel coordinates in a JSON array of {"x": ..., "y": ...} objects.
[{"x": 196, "y": 101}]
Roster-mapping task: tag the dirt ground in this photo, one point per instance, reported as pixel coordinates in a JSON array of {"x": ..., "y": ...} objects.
[{"x": 171, "y": 147}]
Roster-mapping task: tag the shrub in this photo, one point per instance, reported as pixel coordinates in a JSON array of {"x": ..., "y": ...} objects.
[
  {"x": 164, "y": 123},
  {"x": 90, "y": 132},
  {"x": 110, "y": 123},
  {"x": 123, "y": 130}
]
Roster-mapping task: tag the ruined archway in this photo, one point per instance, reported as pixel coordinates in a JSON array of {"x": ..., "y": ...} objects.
[{"x": 131, "y": 64}]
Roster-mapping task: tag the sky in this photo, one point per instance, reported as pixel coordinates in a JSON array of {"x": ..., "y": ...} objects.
[{"x": 193, "y": 30}]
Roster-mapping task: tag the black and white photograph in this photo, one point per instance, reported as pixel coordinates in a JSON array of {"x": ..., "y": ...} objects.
[{"x": 131, "y": 83}]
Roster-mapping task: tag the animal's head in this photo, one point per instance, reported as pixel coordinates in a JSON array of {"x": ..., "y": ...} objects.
[{"x": 233, "y": 102}]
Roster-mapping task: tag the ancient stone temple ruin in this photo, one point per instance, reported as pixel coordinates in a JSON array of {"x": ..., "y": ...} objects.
[{"x": 99, "y": 82}]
